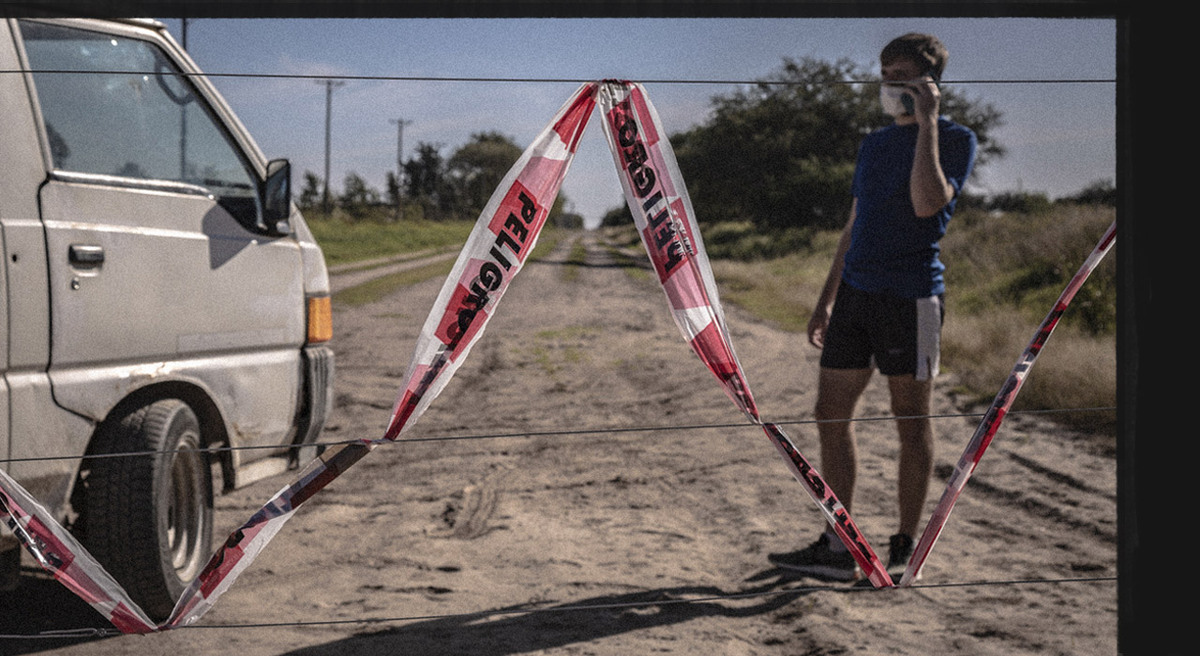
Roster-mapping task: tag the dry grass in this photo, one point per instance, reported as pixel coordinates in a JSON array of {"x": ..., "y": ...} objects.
[
  {"x": 1073, "y": 374},
  {"x": 1004, "y": 274},
  {"x": 781, "y": 290}
]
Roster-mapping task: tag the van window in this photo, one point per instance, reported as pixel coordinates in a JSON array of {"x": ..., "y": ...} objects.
[{"x": 118, "y": 106}]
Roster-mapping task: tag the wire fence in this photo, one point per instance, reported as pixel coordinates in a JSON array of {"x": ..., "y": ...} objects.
[
  {"x": 563, "y": 433},
  {"x": 93, "y": 632},
  {"x": 542, "y": 80},
  {"x": 532, "y": 609}
]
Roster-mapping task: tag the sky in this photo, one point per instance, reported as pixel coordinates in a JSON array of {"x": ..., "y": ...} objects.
[{"x": 1052, "y": 79}]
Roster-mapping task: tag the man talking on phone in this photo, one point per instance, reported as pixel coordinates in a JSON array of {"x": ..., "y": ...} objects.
[{"x": 881, "y": 305}]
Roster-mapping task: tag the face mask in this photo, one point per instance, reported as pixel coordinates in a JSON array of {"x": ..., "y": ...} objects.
[{"x": 896, "y": 101}]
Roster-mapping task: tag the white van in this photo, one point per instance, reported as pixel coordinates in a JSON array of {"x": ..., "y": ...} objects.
[{"x": 158, "y": 292}]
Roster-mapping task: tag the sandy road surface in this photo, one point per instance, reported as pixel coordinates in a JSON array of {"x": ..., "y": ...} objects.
[{"x": 491, "y": 544}]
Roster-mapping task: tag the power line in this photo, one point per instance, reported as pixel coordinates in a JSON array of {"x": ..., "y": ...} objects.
[
  {"x": 574, "y": 432},
  {"x": 547, "y": 80}
]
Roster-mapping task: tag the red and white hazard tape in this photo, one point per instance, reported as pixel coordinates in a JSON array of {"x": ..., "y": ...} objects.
[
  {"x": 995, "y": 415},
  {"x": 662, "y": 211},
  {"x": 494, "y": 253}
]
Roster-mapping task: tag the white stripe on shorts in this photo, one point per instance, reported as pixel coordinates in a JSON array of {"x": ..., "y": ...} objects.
[{"x": 929, "y": 337}]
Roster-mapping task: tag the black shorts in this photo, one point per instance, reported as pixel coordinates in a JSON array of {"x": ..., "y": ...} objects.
[{"x": 897, "y": 335}]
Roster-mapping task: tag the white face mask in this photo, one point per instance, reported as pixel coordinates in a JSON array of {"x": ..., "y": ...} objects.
[{"x": 893, "y": 100}]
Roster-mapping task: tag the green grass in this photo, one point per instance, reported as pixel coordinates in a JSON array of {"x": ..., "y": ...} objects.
[
  {"x": 575, "y": 259},
  {"x": 383, "y": 286},
  {"x": 1023, "y": 262},
  {"x": 620, "y": 242},
  {"x": 548, "y": 240},
  {"x": 552, "y": 349},
  {"x": 345, "y": 242}
]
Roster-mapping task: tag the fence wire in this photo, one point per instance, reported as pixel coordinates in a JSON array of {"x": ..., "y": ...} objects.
[
  {"x": 565, "y": 433},
  {"x": 515, "y": 609},
  {"x": 546, "y": 80}
]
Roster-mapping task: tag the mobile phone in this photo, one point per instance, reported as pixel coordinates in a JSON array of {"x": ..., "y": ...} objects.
[{"x": 906, "y": 99}]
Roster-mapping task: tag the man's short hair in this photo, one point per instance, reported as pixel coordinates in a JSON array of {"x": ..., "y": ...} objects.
[{"x": 924, "y": 49}]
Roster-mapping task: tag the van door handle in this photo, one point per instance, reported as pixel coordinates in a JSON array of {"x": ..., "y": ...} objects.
[{"x": 86, "y": 254}]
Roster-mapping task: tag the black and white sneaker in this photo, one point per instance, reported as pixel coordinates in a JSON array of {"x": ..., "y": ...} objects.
[
  {"x": 900, "y": 550},
  {"x": 818, "y": 559}
]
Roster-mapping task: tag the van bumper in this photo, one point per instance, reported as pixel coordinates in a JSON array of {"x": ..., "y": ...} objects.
[{"x": 317, "y": 401}]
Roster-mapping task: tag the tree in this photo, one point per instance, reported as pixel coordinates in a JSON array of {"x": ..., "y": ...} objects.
[
  {"x": 476, "y": 169},
  {"x": 781, "y": 153},
  {"x": 617, "y": 216},
  {"x": 460, "y": 187},
  {"x": 310, "y": 193},
  {"x": 1100, "y": 192},
  {"x": 425, "y": 180},
  {"x": 357, "y": 196},
  {"x": 392, "y": 189},
  {"x": 569, "y": 221}
]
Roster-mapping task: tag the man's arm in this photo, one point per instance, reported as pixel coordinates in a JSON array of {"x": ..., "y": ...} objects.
[
  {"x": 820, "y": 316},
  {"x": 928, "y": 187}
]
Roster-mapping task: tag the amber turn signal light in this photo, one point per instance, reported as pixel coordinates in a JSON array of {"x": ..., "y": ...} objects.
[{"x": 320, "y": 319}]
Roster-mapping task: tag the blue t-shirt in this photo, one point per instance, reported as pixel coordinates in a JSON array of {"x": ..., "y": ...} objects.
[{"x": 892, "y": 251}]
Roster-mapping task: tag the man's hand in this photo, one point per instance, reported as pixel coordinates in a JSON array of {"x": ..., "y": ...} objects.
[
  {"x": 927, "y": 99},
  {"x": 817, "y": 325}
]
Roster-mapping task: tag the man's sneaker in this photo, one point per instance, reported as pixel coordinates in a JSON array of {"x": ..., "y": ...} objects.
[
  {"x": 819, "y": 560},
  {"x": 900, "y": 550}
]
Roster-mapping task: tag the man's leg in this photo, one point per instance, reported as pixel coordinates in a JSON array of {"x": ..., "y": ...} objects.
[
  {"x": 911, "y": 406},
  {"x": 837, "y": 395},
  {"x": 838, "y": 392}
]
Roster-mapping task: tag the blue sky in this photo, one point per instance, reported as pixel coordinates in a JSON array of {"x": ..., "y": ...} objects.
[{"x": 1061, "y": 136}]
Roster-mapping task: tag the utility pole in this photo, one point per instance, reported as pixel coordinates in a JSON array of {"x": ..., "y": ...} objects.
[
  {"x": 399, "y": 123},
  {"x": 329, "y": 87}
]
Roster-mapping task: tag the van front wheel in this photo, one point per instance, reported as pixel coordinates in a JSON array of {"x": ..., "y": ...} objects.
[{"x": 149, "y": 515}]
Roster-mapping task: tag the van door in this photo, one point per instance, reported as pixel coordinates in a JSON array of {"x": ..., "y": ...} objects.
[{"x": 159, "y": 266}]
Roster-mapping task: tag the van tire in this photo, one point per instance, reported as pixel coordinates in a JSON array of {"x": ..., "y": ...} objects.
[{"x": 149, "y": 518}]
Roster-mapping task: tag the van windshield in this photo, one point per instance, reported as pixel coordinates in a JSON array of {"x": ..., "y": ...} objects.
[{"x": 118, "y": 106}]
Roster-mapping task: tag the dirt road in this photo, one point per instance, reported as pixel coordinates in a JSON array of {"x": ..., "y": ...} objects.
[{"x": 600, "y": 495}]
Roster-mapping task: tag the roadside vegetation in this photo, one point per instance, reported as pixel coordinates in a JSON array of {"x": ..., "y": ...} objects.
[
  {"x": 377, "y": 235},
  {"x": 769, "y": 174},
  {"x": 1004, "y": 272},
  {"x": 378, "y": 239},
  {"x": 376, "y": 289},
  {"x": 432, "y": 206}
]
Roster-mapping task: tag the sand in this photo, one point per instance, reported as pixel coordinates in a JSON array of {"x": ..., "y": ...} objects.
[{"x": 583, "y": 486}]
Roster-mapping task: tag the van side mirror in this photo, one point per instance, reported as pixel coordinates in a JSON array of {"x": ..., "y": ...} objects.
[{"x": 276, "y": 194}]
